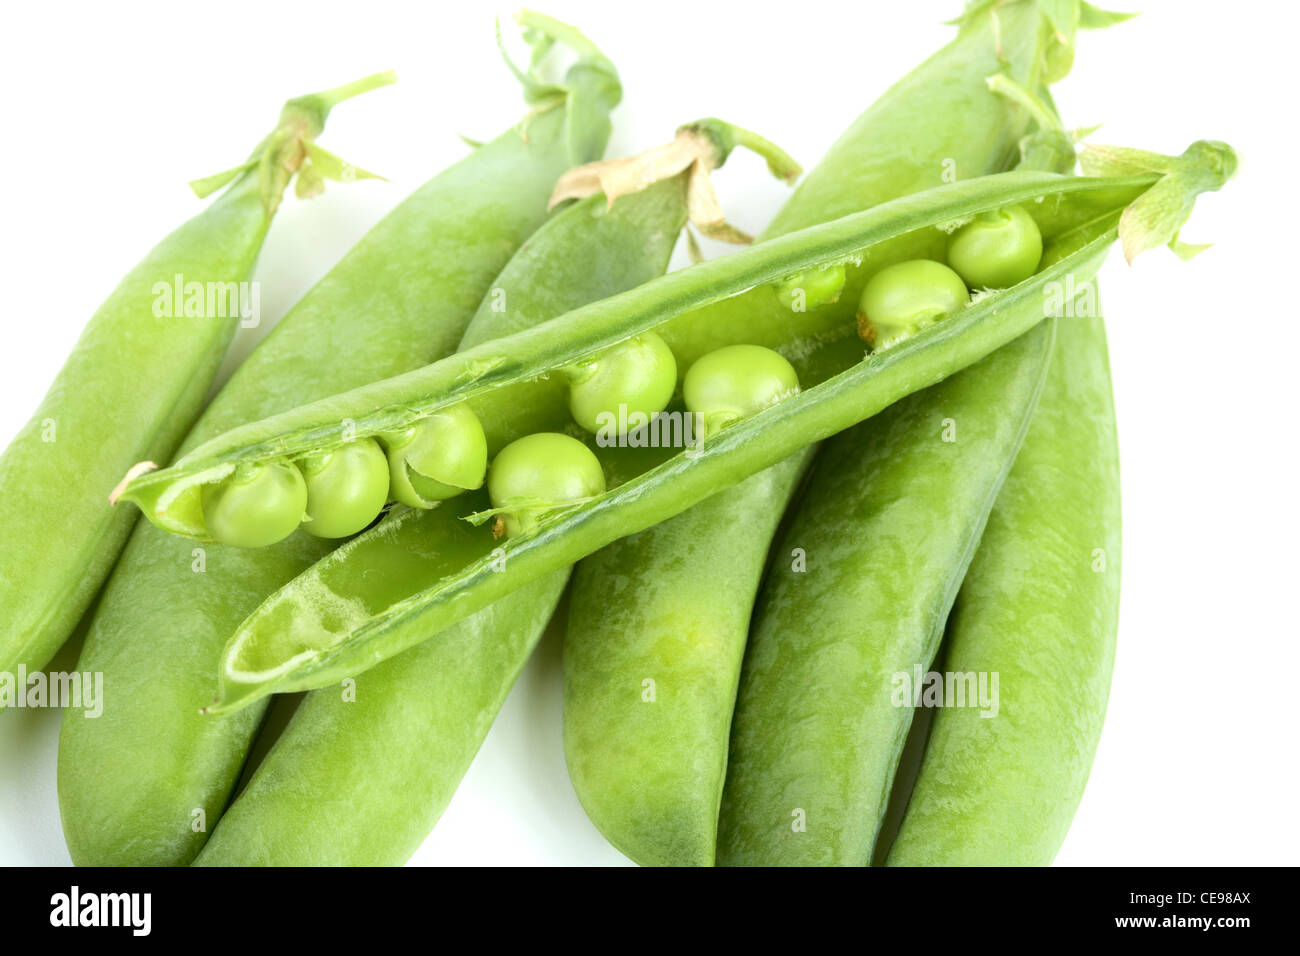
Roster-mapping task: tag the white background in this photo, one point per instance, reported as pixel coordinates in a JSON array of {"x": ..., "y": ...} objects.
[{"x": 110, "y": 109}]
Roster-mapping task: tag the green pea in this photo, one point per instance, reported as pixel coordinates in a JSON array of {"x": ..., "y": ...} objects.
[
  {"x": 436, "y": 458},
  {"x": 997, "y": 249},
  {"x": 346, "y": 488},
  {"x": 624, "y": 387},
  {"x": 902, "y": 299},
  {"x": 805, "y": 291},
  {"x": 539, "y": 473},
  {"x": 260, "y": 504},
  {"x": 737, "y": 381}
]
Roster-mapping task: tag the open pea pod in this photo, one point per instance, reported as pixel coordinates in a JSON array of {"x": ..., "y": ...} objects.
[
  {"x": 819, "y": 347},
  {"x": 282, "y": 648},
  {"x": 277, "y": 649}
]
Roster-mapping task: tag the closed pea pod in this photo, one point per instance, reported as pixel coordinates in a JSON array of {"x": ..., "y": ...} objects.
[
  {"x": 825, "y": 706},
  {"x": 146, "y": 782},
  {"x": 133, "y": 384},
  {"x": 647, "y": 700},
  {"x": 379, "y": 770}
]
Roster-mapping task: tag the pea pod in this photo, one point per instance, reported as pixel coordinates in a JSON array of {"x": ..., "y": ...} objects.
[
  {"x": 1039, "y": 609},
  {"x": 658, "y": 621},
  {"x": 145, "y": 782},
  {"x": 275, "y": 650},
  {"x": 504, "y": 372},
  {"x": 362, "y": 780},
  {"x": 133, "y": 384},
  {"x": 860, "y": 586}
]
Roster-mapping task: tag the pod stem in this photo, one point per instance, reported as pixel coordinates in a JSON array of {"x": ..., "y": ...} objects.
[
  {"x": 291, "y": 150},
  {"x": 590, "y": 89},
  {"x": 1042, "y": 114},
  {"x": 542, "y": 33},
  {"x": 698, "y": 149},
  {"x": 554, "y": 30},
  {"x": 1049, "y": 147},
  {"x": 321, "y": 103},
  {"x": 1159, "y": 214},
  {"x": 727, "y": 136}
]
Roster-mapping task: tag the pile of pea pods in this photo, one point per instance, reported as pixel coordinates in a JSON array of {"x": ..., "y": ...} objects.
[{"x": 834, "y": 516}]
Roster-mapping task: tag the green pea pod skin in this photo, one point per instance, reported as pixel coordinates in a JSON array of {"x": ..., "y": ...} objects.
[
  {"x": 889, "y": 521},
  {"x": 132, "y": 386},
  {"x": 146, "y": 781},
  {"x": 1039, "y": 607},
  {"x": 363, "y": 782},
  {"x": 651, "y": 774},
  {"x": 645, "y": 694},
  {"x": 631, "y": 242},
  {"x": 938, "y": 123}
]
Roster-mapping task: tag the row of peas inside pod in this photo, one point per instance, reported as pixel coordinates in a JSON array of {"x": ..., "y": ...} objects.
[{"x": 339, "y": 492}]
